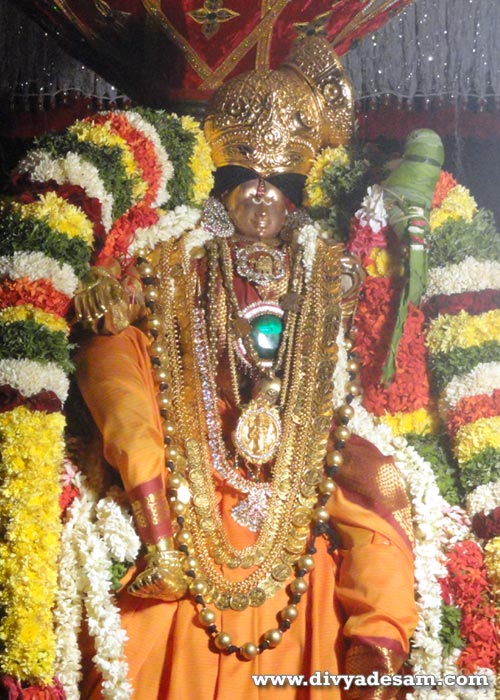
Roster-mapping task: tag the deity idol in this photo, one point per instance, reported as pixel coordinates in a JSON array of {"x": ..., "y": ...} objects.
[{"x": 276, "y": 542}]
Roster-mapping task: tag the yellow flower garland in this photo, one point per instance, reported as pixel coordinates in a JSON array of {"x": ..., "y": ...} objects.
[
  {"x": 32, "y": 454},
  {"x": 421, "y": 422},
  {"x": 200, "y": 162},
  {"x": 383, "y": 264},
  {"x": 101, "y": 135},
  {"x": 473, "y": 438},
  {"x": 458, "y": 204},
  {"x": 28, "y": 312},
  {"x": 462, "y": 330},
  {"x": 313, "y": 190},
  {"x": 61, "y": 216}
]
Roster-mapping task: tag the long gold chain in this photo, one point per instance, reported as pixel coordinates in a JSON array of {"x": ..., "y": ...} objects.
[{"x": 286, "y": 524}]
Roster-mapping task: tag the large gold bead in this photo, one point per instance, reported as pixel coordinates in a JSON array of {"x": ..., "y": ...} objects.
[
  {"x": 334, "y": 459},
  {"x": 352, "y": 365},
  {"x": 299, "y": 586},
  {"x": 190, "y": 563},
  {"x": 353, "y": 388},
  {"x": 157, "y": 349},
  {"x": 321, "y": 515},
  {"x": 342, "y": 433},
  {"x": 160, "y": 375},
  {"x": 184, "y": 537},
  {"x": 249, "y": 651},
  {"x": 164, "y": 400},
  {"x": 346, "y": 411},
  {"x": 171, "y": 453},
  {"x": 153, "y": 322},
  {"x": 273, "y": 637},
  {"x": 222, "y": 640},
  {"x": 177, "y": 507},
  {"x": 169, "y": 428},
  {"x": 289, "y": 612},
  {"x": 145, "y": 270},
  {"x": 206, "y": 617},
  {"x": 151, "y": 294},
  {"x": 198, "y": 587},
  {"x": 305, "y": 562},
  {"x": 175, "y": 481},
  {"x": 327, "y": 485}
]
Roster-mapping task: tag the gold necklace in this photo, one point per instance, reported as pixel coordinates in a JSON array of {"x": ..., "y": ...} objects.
[{"x": 324, "y": 349}]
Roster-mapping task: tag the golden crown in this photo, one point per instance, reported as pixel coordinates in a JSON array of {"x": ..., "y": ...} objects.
[{"x": 275, "y": 121}]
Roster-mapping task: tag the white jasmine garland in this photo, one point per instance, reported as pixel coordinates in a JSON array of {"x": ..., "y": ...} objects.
[
  {"x": 167, "y": 169},
  {"x": 68, "y": 610},
  {"x": 470, "y": 275},
  {"x": 87, "y": 557},
  {"x": 70, "y": 169},
  {"x": 427, "y": 505},
  {"x": 37, "y": 265},
  {"x": 373, "y": 212},
  {"x": 307, "y": 238},
  {"x": 483, "y": 379},
  {"x": 170, "y": 225},
  {"x": 196, "y": 239},
  {"x": 116, "y": 528},
  {"x": 30, "y": 377},
  {"x": 484, "y": 498}
]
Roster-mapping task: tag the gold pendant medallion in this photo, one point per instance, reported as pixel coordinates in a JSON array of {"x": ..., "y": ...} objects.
[{"x": 258, "y": 432}]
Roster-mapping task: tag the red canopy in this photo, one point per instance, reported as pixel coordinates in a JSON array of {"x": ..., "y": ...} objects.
[{"x": 161, "y": 51}]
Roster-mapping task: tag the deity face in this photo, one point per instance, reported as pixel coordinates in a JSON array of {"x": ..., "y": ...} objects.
[{"x": 257, "y": 209}]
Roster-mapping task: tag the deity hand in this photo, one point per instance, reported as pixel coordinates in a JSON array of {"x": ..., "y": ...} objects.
[
  {"x": 100, "y": 303},
  {"x": 163, "y": 577}
]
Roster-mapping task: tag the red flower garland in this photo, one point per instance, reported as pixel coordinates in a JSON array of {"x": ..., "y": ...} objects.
[
  {"x": 46, "y": 401},
  {"x": 123, "y": 230},
  {"x": 487, "y": 525},
  {"x": 473, "y": 302},
  {"x": 466, "y": 586},
  {"x": 471, "y": 408},
  {"x": 374, "y": 320},
  {"x": 41, "y": 293}
]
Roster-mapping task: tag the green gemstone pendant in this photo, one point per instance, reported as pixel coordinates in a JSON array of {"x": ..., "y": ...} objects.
[{"x": 266, "y": 335}]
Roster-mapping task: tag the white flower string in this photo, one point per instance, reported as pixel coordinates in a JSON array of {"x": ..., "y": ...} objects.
[
  {"x": 95, "y": 533},
  {"x": 70, "y": 169},
  {"x": 307, "y": 238},
  {"x": 170, "y": 225},
  {"x": 68, "y": 611},
  {"x": 470, "y": 275},
  {"x": 37, "y": 266},
  {"x": 428, "y": 506}
]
